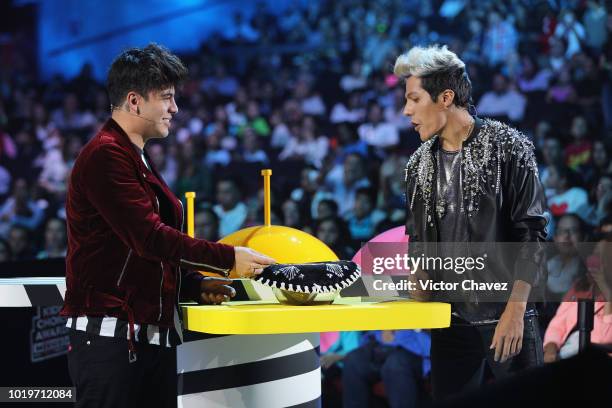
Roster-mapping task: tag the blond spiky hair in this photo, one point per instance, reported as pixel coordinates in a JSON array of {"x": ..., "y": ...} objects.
[{"x": 423, "y": 61}]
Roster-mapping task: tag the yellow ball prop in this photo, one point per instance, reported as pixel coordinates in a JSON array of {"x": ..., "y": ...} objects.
[{"x": 284, "y": 244}]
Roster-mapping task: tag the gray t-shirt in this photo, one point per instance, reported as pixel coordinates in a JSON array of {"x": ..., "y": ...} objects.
[
  {"x": 449, "y": 209},
  {"x": 452, "y": 227}
]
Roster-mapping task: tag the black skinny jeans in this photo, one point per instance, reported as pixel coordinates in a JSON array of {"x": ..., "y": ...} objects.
[{"x": 461, "y": 359}]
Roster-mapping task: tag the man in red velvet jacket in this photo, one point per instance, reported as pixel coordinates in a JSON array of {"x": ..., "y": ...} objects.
[{"x": 126, "y": 248}]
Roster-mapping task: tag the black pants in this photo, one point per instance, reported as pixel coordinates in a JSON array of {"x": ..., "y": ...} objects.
[
  {"x": 104, "y": 377},
  {"x": 400, "y": 370},
  {"x": 461, "y": 359}
]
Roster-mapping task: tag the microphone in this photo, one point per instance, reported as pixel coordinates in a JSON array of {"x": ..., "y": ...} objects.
[{"x": 113, "y": 107}]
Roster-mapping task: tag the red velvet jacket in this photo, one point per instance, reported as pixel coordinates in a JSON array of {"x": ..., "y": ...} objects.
[{"x": 125, "y": 245}]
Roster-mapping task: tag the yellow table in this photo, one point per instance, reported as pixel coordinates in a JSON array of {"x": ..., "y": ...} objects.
[
  {"x": 268, "y": 317},
  {"x": 264, "y": 354}
]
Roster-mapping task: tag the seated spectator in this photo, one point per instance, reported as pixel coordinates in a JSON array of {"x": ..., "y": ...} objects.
[
  {"x": 595, "y": 21},
  {"x": 165, "y": 164},
  {"x": 55, "y": 240},
  {"x": 375, "y": 132},
  {"x": 571, "y": 31},
  {"x": 344, "y": 181},
  {"x": 19, "y": 241},
  {"x": 221, "y": 83},
  {"x": 589, "y": 79},
  {"x": 394, "y": 114},
  {"x": 347, "y": 142},
  {"x": 553, "y": 156},
  {"x": 327, "y": 208},
  {"x": 192, "y": 175},
  {"x": 291, "y": 215},
  {"x": 602, "y": 207},
  {"x": 556, "y": 57},
  {"x": 255, "y": 121},
  {"x": 308, "y": 194},
  {"x": 306, "y": 145},
  {"x": 206, "y": 225},
  {"x": 531, "y": 78},
  {"x": 354, "y": 80},
  {"x": 602, "y": 158},
  {"x": 236, "y": 111},
  {"x": 310, "y": 101},
  {"x": 45, "y": 130},
  {"x": 502, "y": 101},
  {"x": 20, "y": 209},
  {"x": 562, "y": 89},
  {"x": 561, "y": 337},
  {"x": 232, "y": 212},
  {"x": 216, "y": 155},
  {"x": 578, "y": 152},
  {"x": 280, "y": 131},
  {"x": 400, "y": 358},
  {"x": 500, "y": 39},
  {"x": 564, "y": 267},
  {"x": 70, "y": 117},
  {"x": 364, "y": 217},
  {"x": 350, "y": 111},
  {"x": 57, "y": 164},
  {"x": 568, "y": 198},
  {"x": 332, "y": 231},
  {"x": 251, "y": 151}
]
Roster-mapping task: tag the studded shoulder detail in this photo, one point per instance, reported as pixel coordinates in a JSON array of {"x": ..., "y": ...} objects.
[{"x": 481, "y": 163}]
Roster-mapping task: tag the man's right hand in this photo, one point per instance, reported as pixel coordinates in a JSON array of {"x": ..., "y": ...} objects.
[{"x": 249, "y": 263}]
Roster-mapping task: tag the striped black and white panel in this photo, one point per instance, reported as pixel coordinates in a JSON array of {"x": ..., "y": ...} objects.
[
  {"x": 31, "y": 291},
  {"x": 249, "y": 371},
  {"x": 28, "y": 292}
]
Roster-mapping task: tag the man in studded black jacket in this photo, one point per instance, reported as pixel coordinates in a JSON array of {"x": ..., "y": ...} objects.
[{"x": 473, "y": 181}]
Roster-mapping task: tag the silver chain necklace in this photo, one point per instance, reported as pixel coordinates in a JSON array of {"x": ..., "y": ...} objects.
[{"x": 442, "y": 203}]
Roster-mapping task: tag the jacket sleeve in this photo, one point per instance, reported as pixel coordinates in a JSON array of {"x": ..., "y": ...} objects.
[
  {"x": 113, "y": 188},
  {"x": 527, "y": 205},
  {"x": 414, "y": 238}
]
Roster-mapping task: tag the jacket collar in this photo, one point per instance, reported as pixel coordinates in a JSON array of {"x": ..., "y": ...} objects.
[
  {"x": 478, "y": 123},
  {"x": 123, "y": 139}
]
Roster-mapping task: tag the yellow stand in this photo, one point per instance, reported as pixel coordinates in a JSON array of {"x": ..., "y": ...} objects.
[
  {"x": 190, "y": 196},
  {"x": 266, "y": 173}
]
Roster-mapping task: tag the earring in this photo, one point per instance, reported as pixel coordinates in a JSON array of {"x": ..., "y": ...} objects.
[{"x": 137, "y": 110}]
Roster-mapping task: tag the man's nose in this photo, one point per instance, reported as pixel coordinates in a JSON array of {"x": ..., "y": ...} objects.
[
  {"x": 173, "y": 107},
  {"x": 408, "y": 111}
]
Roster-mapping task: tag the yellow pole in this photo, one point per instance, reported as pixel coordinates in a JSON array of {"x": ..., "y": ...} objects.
[
  {"x": 190, "y": 196},
  {"x": 266, "y": 173}
]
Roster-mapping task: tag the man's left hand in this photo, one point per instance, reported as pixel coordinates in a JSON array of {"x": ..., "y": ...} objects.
[
  {"x": 508, "y": 337},
  {"x": 214, "y": 291}
]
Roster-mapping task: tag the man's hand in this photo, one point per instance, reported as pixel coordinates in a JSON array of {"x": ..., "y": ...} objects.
[
  {"x": 249, "y": 263},
  {"x": 551, "y": 353},
  {"x": 213, "y": 290},
  {"x": 508, "y": 337}
]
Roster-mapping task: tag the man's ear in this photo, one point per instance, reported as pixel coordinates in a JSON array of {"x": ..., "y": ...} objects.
[
  {"x": 446, "y": 98},
  {"x": 132, "y": 100}
]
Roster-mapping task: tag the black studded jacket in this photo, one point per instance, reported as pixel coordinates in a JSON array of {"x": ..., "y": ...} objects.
[{"x": 503, "y": 204}]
